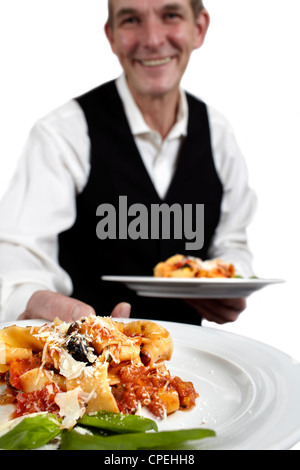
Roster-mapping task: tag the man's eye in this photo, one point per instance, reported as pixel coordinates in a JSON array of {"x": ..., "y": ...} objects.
[
  {"x": 172, "y": 16},
  {"x": 130, "y": 20}
]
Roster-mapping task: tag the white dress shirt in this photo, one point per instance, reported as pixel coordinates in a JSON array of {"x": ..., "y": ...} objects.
[{"x": 54, "y": 167}]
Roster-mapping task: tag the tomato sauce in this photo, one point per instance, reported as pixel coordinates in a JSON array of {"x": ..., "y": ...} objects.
[
  {"x": 186, "y": 392},
  {"x": 18, "y": 367},
  {"x": 143, "y": 386},
  {"x": 29, "y": 402},
  {"x": 2, "y": 377},
  {"x": 184, "y": 263},
  {"x": 37, "y": 401}
]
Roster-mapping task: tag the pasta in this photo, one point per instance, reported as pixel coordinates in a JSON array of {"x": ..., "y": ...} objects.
[
  {"x": 90, "y": 365},
  {"x": 180, "y": 266}
]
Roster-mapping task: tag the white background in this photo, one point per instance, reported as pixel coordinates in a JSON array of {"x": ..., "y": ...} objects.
[{"x": 248, "y": 69}]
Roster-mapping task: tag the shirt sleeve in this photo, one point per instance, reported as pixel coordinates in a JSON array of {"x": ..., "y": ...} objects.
[
  {"x": 239, "y": 200},
  {"x": 38, "y": 205}
]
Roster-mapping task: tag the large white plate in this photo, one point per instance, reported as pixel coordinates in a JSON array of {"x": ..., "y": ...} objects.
[
  {"x": 192, "y": 288},
  {"x": 248, "y": 392}
]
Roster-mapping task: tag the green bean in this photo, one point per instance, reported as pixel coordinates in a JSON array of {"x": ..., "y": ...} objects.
[
  {"x": 73, "y": 440},
  {"x": 125, "y": 432},
  {"x": 118, "y": 422}
]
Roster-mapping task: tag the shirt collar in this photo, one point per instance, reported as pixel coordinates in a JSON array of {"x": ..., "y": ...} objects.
[{"x": 136, "y": 120}]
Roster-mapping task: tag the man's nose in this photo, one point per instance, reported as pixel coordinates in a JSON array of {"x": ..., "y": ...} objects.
[{"x": 152, "y": 33}]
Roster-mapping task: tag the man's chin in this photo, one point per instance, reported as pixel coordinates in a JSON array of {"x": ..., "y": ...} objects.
[{"x": 153, "y": 88}]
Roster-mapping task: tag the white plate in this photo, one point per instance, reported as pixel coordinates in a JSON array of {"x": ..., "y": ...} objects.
[
  {"x": 248, "y": 392},
  {"x": 192, "y": 288}
]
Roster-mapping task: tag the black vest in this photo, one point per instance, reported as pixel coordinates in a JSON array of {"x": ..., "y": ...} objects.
[{"x": 118, "y": 170}]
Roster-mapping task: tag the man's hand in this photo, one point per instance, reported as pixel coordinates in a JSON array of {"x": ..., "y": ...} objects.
[
  {"x": 48, "y": 305},
  {"x": 218, "y": 310}
]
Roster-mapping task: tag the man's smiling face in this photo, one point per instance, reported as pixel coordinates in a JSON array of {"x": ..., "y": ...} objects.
[{"x": 153, "y": 40}]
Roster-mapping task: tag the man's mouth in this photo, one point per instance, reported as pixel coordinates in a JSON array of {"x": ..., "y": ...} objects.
[{"x": 155, "y": 62}]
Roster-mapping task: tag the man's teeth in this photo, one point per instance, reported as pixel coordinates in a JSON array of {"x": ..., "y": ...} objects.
[{"x": 156, "y": 62}]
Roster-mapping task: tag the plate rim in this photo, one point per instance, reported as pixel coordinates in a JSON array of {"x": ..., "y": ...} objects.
[
  {"x": 168, "y": 280},
  {"x": 150, "y": 286}
]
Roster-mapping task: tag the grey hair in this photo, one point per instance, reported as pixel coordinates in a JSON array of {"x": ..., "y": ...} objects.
[{"x": 197, "y": 6}]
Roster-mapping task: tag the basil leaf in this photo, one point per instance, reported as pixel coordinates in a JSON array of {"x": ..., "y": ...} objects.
[
  {"x": 118, "y": 422},
  {"x": 72, "y": 440},
  {"x": 31, "y": 433}
]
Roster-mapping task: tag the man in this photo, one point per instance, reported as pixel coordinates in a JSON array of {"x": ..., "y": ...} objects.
[{"x": 140, "y": 137}]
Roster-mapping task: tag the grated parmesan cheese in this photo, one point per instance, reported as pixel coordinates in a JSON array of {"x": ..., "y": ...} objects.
[
  {"x": 2, "y": 353},
  {"x": 69, "y": 367},
  {"x": 70, "y": 408}
]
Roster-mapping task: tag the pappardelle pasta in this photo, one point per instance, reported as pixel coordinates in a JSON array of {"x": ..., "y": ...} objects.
[
  {"x": 93, "y": 364},
  {"x": 180, "y": 266}
]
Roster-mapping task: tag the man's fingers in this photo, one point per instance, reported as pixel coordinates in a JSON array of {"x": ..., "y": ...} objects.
[
  {"x": 122, "y": 310},
  {"x": 219, "y": 311},
  {"x": 49, "y": 305},
  {"x": 80, "y": 310}
]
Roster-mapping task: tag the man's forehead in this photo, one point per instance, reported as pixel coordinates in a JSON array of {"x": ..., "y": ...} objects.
[{"x": 140, "y": 4}]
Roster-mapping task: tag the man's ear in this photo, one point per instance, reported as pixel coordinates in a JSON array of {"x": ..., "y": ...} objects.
[
  {"x": 202, "y": 25},
  {"x": 109, "y": 35}
]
